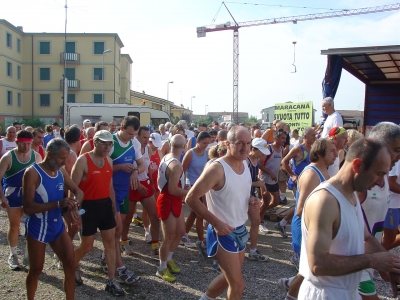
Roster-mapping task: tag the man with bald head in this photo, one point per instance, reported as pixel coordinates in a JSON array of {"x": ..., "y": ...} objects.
[
  {"x": 226, "y": 184},
  {"x": 257, "y": 133},
  {"x": 222, "y": 135},
  {"x": 169, "y": 206},
  {"x": 8, "y": 143}
]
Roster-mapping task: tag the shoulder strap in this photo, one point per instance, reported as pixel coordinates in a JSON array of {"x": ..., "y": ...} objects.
[{"x": 269, "y": 156}]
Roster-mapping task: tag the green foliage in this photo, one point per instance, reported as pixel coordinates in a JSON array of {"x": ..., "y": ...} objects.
[
  {"x": 208, "y": 120},
  {"x": 187, "y": 118},
  {"x": 251, "y": 120},
  {"x": 34, "y": 122},
  {"x": 175, "y": 120},
  {"x": 3, "y": 128}
]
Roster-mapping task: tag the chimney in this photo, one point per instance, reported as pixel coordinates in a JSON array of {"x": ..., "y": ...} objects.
[{"x": 20, "y": 28}]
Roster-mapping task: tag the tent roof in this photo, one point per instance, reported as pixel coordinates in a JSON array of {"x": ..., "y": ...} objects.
[{"x": 376, "y": 64}]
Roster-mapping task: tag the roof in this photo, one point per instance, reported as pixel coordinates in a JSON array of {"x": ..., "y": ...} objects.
[
  {"x": 217, "y": 114},
  {"x": 370, "y": 64},
  {"x": 351, "y": 113},
  {"x": 128, "y": 57},
  {"x": 148, "y": 97}
]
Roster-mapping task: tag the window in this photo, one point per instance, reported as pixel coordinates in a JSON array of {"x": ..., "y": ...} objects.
[
  {"x": 97, "y": 98},
  {"x": 97, "y": 73},
  {"x": 44, "y": 47},
  {"x": 70, "y": 73},
  {"x": 9, "y": 40},
  {"x": 98, "y": 47},
  {"x": 19, "y": 45},
  {"x": 70, "y": 47},
  {"x": 44, "y": 73},
  {"x": 19, "y": 72},
  {"x": 71, "y": 98},
  {"x": 19, "y": 99},
  {"x": 9, "y": 98},
  {"x": 44, "y": 99},
  {"x": 9, "y": 69}
]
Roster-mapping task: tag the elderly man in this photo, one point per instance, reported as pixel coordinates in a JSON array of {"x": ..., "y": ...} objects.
[
  {"x": 228, "y": 178},
  {"x": 339, "y": 137},
  {"x": 334, "y": 118},
  {"x": 8, "y": 143},
  {"x": 112, "y": 127},
  {"x": 89, "y": 144},
  {"x": 163, "y": 132}
]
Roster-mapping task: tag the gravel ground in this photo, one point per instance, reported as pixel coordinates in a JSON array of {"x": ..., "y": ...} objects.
[{"x": 196, "y": 272}]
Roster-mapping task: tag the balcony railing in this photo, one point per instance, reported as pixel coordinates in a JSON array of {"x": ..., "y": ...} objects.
[
  {"x": 72, "y": 84},
  {"x": 73, "y": 58}
]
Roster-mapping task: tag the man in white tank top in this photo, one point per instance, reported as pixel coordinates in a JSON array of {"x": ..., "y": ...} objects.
[
  {"x": 336, "y": 245},
  {"x": 226, "y": 183},
  {"x": 8, "y": 143}
]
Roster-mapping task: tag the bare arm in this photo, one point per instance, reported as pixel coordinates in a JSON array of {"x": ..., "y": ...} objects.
[
  {"x": 266, "y": 134},
  {"x": 69, "y": 163},
  {"x": 186, "y": 160},
  {"x": 38, "y": 158},
  {"x": 174, "y": 173},
  {"x": 285, "y": 161},
  {"x": 85, "y": 148},
  {"x": 72, "y": 187},
  {"x": 309, "y": 180},
  {"x": 393, "y": 185},
  {"x": 5, "y": 162}
]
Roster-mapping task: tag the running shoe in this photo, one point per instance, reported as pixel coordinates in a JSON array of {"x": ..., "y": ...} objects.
[
  {"x": 147, "y": 238},
  {"x": 283, "y": 284},
  {"x": 295, "y": 260},
  {"x": 126, "y": 276},
  {"x": 154, "y": 254},
  {"x": 257, "y": 256},
  {"x": 173, "y": 267},
  {"x": 283, "y": 202},
  {"x": 263, "y": 228},
  {"x": 187, "y": 242},
  {"x": 78, "y": 278},
  {"x": 215, "y": 266},
  {"x": 137, "y": 221},
  {"x": 114, "y": 288},
  {"x": 13, "y": 262},
  {"x": 281, "y": 229},
  {"x": 202, "y": 249},
  {"x": 127, "y": 249},
  {"x": 103, "y": 263},
  {"x": 166, "y": 275}
]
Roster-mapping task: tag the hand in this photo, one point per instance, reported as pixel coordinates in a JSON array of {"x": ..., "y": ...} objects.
[
  {"x": 294, "y": 178},
  {"x": 273, "y": 177},
  {"x": 142, "y": 190},
  {"x": 261, "y": 185},
  {"x": 386, "y": 262},
  {"x": 75, "y": 218},
  {"x": 128, "y": 168},
  {"x": 255, "y": 203},
  {"x": 70, "y": 203},
  {"x": 4, "y": 203},
  {"x": 134, "y": 181},
  {"x": 221, "y": 228},
  {"x": 394, "y": 280}
]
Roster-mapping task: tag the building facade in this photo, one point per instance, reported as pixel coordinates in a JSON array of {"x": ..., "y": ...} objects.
[{"x": 34, "y": 65}]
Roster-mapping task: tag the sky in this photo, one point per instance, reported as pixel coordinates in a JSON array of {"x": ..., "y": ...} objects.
[{"x": 160, "y": 36}]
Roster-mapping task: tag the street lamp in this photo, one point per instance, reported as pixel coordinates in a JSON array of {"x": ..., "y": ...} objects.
[
  {"x": 102, "y": 76},
  {"x": 191, "y": 103},
  {"x": 205, "y": 109},
  {"x": 168, "y": 89}
]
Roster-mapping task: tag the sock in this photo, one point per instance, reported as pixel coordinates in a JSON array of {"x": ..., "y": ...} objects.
[
  {"x": 170, "y": 256},
  {"x": 282, "y": 196},
  {"x": 253, "y": 251},
  {"x": 154, "y": 244},
  {"x": 283, "y": 222},
  {"x": 123, "y": 242},
  {"x": 147, "y": 230},
  {"x": 121, "y": 268},
  {"x": 163, "y": 265},
  {"x": 205, "y": 297},
  {"x": 103, "y": 255},
  {"x": 288, "y": 297},
  {"x": 135, "y": 216},
  {"x": 13, "y": 250},
  {"x": 290, "y": 279}
]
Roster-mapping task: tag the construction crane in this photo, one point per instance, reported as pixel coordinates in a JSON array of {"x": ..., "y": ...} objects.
[{"x": 201, "y": 32}]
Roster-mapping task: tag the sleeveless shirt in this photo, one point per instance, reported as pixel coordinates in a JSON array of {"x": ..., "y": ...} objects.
[
  {"x": 196, "y": 167},
  {"x": 348, "y": 241},
  {"x": 274, "y": 165},
  {"x": 97, "y": 183},
  {"x": 13, "y": 176},
  {"x": 162, "y": 180},
  {"x": 155, "y": 161},
  {"x": 231, "y": 203},
  {"x": 298, "y": 166},
  {"x": 146, "y": 159},
  {"x": 7, "y": 146},
  {"x": 254, "y": 175}
]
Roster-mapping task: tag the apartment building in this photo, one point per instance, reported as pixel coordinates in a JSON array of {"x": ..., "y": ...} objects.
[{"x": 33, "y": 66}]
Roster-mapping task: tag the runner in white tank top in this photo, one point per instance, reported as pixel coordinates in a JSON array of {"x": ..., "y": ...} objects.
[
  {"x": 334, "y": 235},
  {"x": 8, "y": 142}
]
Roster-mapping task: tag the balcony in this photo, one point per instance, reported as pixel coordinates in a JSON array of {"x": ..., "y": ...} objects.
[
  {"x": 70, "y": 58},
  {"x": 73, "y": 85}
]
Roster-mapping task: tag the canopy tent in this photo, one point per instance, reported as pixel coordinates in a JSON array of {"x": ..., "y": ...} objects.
[{"x": 379, "y": 69}]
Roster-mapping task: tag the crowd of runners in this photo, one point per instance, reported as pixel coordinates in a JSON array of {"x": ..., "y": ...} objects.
[{"x": 80, "y": 180}]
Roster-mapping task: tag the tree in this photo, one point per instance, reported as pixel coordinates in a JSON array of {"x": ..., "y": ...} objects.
[
  {"x": 33, "y": 122},
  {"x": 251, "y": 120},
  {"x": 208, "y": 120},
  {"x": 187, "y": 118}
]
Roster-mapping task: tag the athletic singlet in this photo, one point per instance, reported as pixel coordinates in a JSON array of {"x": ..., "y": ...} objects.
[
  {"x": 121, "y": 154},
  {"x": 273, "y": 164},
  {"x": 162, "y": 180},
  {"x": 231, "y": 203},
  {"x": 13, "y": 176},
  {"x": 41, "y": 151},
  {"x": 97, "y": 183},
  {"x": 155, "y": 161},
  {"x": 196, "y": 167},
  {"x": 348, "y": 241},
  {"x": 7, "y": 146},
  {"x": 270, "y": 138},
  {"x": 298, "y": 166},
  {"x": 50, "y": 189},
  {"x": 193, "y": 143},
  {"x": 254, "y": 175},
  {"x": 146, "y": 159}
]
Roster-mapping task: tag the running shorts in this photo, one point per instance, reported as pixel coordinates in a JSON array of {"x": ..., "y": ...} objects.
[
  {"x": 283, "y": 176},
  {"x": 123, "y": 207},
  {"x": 272, "y": 188},
  {"x": 14, "y": 196},
  {"x": 367, "y": 285},
  {"x": 134, "y": 195},
  {"x": 226, "y": 242},
  {"x": 392, "y": 218},
  {"x": 99, "y": 214},
  {"x": 45, "y": 231},
  {"x": 167, "y": 204}
]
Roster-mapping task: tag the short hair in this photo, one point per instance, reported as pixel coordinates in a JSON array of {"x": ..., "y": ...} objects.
[
  {"x": 98, "y": 125},
  {"x": 72, "y": 134},
  {"x": 296, "y": 131},
  {"x": 213, "y": 152},
  {"x": 87, "y": 130},
  {"x": 386, "y": 132},
  {"x": 109, "y": 123},
  {"x": 232, "y": 133},
  {"x": 202, "y": 125},
  {"x": 24, "y": 134},
  {"x": 353, "y": 135},
  {"x": 306, "y": 130},
  {"x": 55, "y": 146},
  {"x": 213, "y": 132},
  {"x": 130, "y": 121},
  {"x": 37, "y": 130},
  {"x": 328, "y": 100},
  {"x": 56, "y": 124},
  {"x": 168, "y": 124},
  {"x": 222, "y": 134},
  {"x": 183, "y": 123},
  {"x": 141, "y": 128},
  {"x": 278, "y": 133},
  {"x": 48, "y": 128},
  {"x": 178, "y": 141},
  {"x": 318, "y": 149},
  {"x": 161, "y": 126},
  {"x": 177, "y": 128},
  {"x": 16, "y": 123},
  {"x": 202, "y": 136},
  {"x": 366, "y": 150}
]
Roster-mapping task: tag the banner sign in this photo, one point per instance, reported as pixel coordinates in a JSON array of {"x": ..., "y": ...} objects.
[{"x": 296, "y": 115}]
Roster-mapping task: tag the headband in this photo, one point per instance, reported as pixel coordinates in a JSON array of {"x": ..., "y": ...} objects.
[
  {"x": 335, "y": 131},
  {"x": 23, "y": 140}
]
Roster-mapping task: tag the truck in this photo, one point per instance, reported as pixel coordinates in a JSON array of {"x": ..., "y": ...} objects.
[{"x": 77, "y": 112}]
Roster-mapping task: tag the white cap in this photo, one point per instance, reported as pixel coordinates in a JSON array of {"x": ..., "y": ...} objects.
[
  {"x": 87, "y": 121},
  {"x": 261, "y": 145},
  {"x": 103, "y": 135},
  {"x": 155, "y": 138}
]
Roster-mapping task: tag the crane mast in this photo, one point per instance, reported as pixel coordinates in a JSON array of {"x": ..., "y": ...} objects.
[{"x": 201, "y": 32}]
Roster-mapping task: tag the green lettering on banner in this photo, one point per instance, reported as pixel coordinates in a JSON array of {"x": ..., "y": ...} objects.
[{"x": 296, "y": 115}]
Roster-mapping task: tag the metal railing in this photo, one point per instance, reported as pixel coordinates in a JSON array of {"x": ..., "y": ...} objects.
[
  {"x": 69, "y": 57},
  {"x": 74, "y": 84}
]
